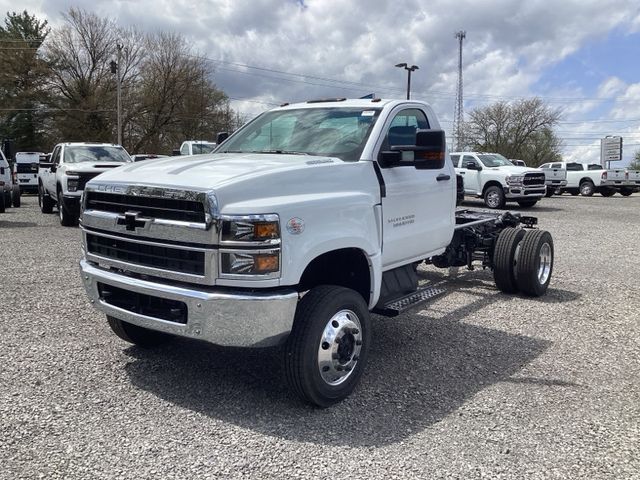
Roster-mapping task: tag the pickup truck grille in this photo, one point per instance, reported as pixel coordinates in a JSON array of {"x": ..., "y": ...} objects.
[
  {"x": 154, "y": 207},
  {"x": 531, "y": 179},
  {"x": 85, "y": 177},
  {"x": 155, "y": 256}
]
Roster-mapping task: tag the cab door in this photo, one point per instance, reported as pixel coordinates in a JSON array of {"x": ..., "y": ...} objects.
[
  {"x": 471, "y": 176},
  {"x": 49, "y": 177},
  {"x": 418, "y": 207}
]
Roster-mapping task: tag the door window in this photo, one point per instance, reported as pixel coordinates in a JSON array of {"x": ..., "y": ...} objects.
[
  {"x": 402, "y": 131},
  {"x": 468, "y": 158},
  {"x": 574, "y": 167},
  {"x": 55, "y": 157}
]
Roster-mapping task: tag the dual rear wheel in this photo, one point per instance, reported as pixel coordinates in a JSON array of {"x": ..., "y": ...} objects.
[{"x": 523, "y": 261}]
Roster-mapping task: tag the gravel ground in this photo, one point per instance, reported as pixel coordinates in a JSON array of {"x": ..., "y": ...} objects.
[{"x": 476, "y": 385}]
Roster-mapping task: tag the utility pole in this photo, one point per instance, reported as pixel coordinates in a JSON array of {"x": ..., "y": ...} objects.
[
  {"x": 409, "y": 70},
  {"x": 458, "y": 112},
  {"x": 119, "y": 86}
]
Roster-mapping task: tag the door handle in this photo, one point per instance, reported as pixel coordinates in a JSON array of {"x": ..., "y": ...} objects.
[
  {"x": 462, "y": 173},
  {"x": 443, "y": 177}
]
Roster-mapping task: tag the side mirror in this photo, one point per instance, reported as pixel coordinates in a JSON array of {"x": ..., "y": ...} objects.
[
  {"x": 222, "y": 136},
  {"x": 390, "y": 159},
  {"x": 430, "y": 149},
  {"x": 175, "y": 152},
  {"x": 54, "y": 167},
  {"x": 472, "y": 166},
  {"x": 42, "y": 164}
]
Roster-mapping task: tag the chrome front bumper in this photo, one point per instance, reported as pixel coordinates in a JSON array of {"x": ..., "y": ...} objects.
[
  {"x": 524, "y": 192},
  {"x": 222, "y": 317}
]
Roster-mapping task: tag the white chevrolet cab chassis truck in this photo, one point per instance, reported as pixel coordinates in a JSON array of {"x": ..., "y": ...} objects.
[{"x": 291, "y": 233}]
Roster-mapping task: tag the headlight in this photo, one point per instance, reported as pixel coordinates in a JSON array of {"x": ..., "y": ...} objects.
[
  {"x": 250, "y": 263},
  {"x": 251, "y": 228},
  {"x": 515, "y": 179},
  {"x": 72, "y": 184},
  {"x": 239, "y": 237}
]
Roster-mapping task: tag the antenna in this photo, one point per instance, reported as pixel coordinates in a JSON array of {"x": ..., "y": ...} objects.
[{"x": 458, "y": 112}]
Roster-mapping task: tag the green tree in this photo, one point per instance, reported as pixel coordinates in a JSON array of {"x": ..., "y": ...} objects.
[
  {"x": 522, "y": 130},
  {"x": 635, "y": 163},
  {"x": 22, "y": 79}
]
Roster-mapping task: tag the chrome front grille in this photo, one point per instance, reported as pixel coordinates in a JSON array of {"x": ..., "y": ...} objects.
[
  {"x": 151, "y": 231},
  {"x": 154, "y": 207},
  {"x": 163, "y": 257}
]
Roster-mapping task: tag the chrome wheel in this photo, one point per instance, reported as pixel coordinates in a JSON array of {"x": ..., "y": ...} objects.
[
  {"x": 586, "y": 189},
  {"x": 339, "y": 347},
  {"x": 546, "y": 260},
  {"x": 493, "y": 199}
]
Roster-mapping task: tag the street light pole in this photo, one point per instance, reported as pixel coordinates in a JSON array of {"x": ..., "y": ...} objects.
[
  {"x": 409, "y": 69},
  {"x": 119, "y": 86}
]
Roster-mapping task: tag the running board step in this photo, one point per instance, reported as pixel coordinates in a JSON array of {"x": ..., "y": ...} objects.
[{"x": 395, "y": 307}]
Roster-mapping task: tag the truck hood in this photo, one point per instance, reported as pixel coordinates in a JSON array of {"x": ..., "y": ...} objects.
[
  {"x": 212, "y": 171},
  {"x": 252, "y": 183},
  {"x": 514, "y": 169},
  {"x": 88, "y": 167}
]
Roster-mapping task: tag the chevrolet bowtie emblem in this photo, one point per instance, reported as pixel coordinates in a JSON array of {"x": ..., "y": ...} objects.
[{"x": 131, "y": 221}]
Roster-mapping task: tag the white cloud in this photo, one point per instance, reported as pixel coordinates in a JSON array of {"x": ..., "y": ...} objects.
[{"x": 509, "y": 45}]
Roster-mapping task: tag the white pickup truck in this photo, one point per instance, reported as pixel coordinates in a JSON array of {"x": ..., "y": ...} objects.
[
  {"x": 584, "y": 178},
  {"x": 196, "y": 147},
  {"x": 623, "y": 180},
  {"x": 9, "y": 190},
  {"x": 298, "y": 226},
  {"x": 555, "y": 177},
  {"x": 26, "y": 169},
  {"x": 63, "y": 176},
  {"x": 495, "y": 179}
]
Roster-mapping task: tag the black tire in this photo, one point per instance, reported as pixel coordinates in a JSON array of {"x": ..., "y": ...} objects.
[
  {"x": 67, "y": 219},
  {"x": 587, "y": 189},
  {"x": 625, "y": 192},
  {"x": 549, "y": 193},
  {"x": 302, "y": 351},
  {"x": 7, "y": 199},
  {"x": 44, "y": 200},
  {"x": 607, "y": 192},
  {"x": 527, "y": 203},
  {"x": 2, "y": 206},
  {"x": 533, "y": 277},
  {"x": 494, "y": 197},
  {"x": 558, "y": 191},
  {"x": 142, "y": 337},
  {"x": 504, "y": 257},
  {"x": 15, "y": 196}
]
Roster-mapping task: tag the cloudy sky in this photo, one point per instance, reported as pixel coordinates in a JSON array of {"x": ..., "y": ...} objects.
[{"x": 581, "y": 56}]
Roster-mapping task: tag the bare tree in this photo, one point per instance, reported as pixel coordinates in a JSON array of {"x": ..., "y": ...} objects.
[
  {"x": 522, "y": 130},
  {"x": 79, "y": 54}
]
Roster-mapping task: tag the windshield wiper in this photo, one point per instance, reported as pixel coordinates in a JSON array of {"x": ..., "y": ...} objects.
[{"x": 281, "y": 152}]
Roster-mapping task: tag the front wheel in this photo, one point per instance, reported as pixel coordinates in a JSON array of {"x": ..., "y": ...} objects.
[
  {"x": 44, "y": 200},
  {"x": 494, "y": 197},
  {"x": 67, "y": 219},
  {"x": 535, "y": 263},
  {"x": 140, "y": 336},
  {"x": 327, "y": 349},
  {"x": 527, "y": 203},
  {"x": 2, "y": 205},
  {"x": 15, "y": 196},
  {"x": 587, "y": 189}
]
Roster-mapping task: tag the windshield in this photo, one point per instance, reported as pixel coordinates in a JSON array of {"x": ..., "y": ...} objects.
[
  {"x": 203, "y": 148},
  {"x": 333, "y": 132},
  {"x": 494, "y": 160},
  {"x": 95, "y": 153}
]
